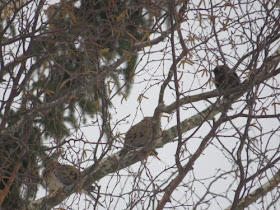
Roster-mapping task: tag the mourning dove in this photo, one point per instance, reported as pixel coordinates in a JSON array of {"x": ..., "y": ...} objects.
[
  {"x": 58, "y": 176},
  {"x": 225, "y": 78},
  {"x": 138, "y": 135}
]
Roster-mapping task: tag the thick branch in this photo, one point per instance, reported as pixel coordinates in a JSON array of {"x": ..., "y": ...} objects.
[
  {"x": 113, "y": 163},
  {"x": 258, "y": 193}
]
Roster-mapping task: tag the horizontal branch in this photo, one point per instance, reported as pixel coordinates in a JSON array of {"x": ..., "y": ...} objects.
[{"x": 113, "y": 163}]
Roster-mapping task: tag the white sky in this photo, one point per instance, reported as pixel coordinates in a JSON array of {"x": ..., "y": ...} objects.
[{"x": 213, "y": 158}]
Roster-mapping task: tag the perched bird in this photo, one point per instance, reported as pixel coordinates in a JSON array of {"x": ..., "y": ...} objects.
[
  {"x": 225, "y": 78},
  {"x": 138, "y": 135},
  {"x": 58, "y": 176}
]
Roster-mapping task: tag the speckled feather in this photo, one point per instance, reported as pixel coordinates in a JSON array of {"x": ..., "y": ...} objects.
[
  {"x": 58, "y": 176},
  {"x": 138, "y": 135}
]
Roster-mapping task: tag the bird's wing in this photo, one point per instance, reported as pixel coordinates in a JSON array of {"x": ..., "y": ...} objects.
[{"x": 67, "y": 174}]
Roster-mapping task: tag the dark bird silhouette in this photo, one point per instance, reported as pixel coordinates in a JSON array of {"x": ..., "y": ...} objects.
[{"x": 225, "y": 78}]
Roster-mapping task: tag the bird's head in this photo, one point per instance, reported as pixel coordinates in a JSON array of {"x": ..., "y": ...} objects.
[{"x": 221, "y": 68}]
